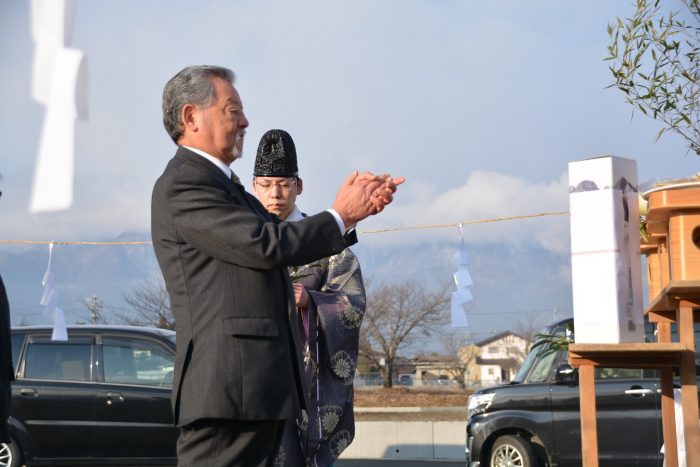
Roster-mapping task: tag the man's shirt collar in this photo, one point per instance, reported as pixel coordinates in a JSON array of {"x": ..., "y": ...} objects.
[
  {"x": 217, "y": 162},
  {"x": 295, "y": 215}
]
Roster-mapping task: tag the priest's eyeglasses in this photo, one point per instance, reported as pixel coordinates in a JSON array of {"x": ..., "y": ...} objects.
[{"x": 284, "y": 186}]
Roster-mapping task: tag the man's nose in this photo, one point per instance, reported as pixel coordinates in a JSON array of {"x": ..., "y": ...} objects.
[{"x": 243, "y": 122}]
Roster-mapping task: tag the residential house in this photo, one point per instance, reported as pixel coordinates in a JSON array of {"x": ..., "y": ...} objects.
[{"x": 500, "y": 357}]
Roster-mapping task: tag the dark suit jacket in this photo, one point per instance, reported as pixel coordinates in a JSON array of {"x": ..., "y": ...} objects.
[
  {"x": 224, "y": 261},
  {"x": 7, "y": 374}
]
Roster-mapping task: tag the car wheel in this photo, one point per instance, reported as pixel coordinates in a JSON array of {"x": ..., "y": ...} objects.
[
  {"x": 512, "y": 451},
  {"x": 10, "y": 455}
]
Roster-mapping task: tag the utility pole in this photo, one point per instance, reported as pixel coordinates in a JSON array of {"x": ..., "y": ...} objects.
[{"x": 94, "y": 306}]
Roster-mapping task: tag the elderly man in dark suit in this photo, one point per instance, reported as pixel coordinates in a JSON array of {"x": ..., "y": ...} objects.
[{"x": 238, "y": 375}]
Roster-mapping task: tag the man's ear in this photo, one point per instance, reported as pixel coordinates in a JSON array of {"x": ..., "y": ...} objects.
[
  {"x": 300, "y": 186},
  {"x": 188, "y": 117}
]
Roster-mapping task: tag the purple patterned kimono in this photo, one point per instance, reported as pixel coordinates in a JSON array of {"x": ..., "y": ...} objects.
[{"x": 332, "y": 331}]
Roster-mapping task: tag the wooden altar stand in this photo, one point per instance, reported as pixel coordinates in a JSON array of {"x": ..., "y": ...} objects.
[{"x": 673, "y": 278}]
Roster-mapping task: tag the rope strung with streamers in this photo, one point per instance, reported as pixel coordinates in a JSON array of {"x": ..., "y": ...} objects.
[
  {"x": 459, "y": 224},
  {"x": 53, "y": 242},
  {"x": 390, "y": 229}
]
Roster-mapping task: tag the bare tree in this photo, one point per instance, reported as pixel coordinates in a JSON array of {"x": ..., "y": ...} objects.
[
  {"x": 151, "y": 304},
  {"x": 460, "y": 353},
  {"x": 396, "y": 316},
  {"x": 527, "y": 329}
]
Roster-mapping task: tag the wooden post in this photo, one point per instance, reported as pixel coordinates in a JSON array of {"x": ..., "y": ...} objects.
[
  {"x": 689, "y": 389},
  {"x": 668, "y": 409},
  {"x": 589, "y": 430}
]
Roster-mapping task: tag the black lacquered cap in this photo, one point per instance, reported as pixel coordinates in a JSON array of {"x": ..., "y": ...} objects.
[{"x": 277, "y": 156}]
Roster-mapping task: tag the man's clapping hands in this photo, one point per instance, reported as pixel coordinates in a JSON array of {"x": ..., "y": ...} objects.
[{"x": 362, "y": 195}]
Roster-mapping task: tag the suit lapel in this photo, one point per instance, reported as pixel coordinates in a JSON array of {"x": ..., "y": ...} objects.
[
  {"x": 236, "y": 190},
  {"x": 251, "y": 201}
]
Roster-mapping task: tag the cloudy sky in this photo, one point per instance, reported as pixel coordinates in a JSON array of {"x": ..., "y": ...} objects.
[{"x": 480, "y": 105}]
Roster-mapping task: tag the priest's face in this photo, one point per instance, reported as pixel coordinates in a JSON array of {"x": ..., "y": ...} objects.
[{"x": 278, "y": 194}]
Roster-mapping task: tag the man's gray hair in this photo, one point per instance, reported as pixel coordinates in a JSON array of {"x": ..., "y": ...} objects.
[{"x": 192, "y": 85}]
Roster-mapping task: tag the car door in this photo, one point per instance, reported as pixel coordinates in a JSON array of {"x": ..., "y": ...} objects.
[
  {"x": 54, "y": 397},
  {"x": 628, "y": 419},
  {"x": 133, "y": 410}
]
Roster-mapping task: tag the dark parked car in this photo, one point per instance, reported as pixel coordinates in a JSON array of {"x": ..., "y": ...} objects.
[
  {"x": 535, "y": 421},
  {"x": 101, "y": 397}
]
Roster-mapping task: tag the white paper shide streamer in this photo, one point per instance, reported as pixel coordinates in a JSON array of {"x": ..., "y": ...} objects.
[
  {"x": 59, "y": 82},
  {"x": 463, "y": 280},
  {"x": 49, "y": 300}
]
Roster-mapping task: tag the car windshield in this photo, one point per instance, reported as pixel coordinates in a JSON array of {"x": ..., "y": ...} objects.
[
  {"x": 542, "y": 369},
  {"x": 527, "y": 364}
]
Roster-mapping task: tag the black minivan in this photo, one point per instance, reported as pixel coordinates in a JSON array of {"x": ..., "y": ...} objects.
[
  {"x": 535, "y": 421},
  {"x": 100, "y": 398}
]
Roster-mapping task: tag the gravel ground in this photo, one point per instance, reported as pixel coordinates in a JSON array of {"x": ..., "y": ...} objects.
[
  {"x": 411, "y": 397},
  {"x": 427, "y": 404}
]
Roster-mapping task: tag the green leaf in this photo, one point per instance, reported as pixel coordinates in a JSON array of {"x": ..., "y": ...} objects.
[
  {"x": 661, "y": 132},
  {"x": 643, "y": 232},
  {"x": 687, "y": 76}
]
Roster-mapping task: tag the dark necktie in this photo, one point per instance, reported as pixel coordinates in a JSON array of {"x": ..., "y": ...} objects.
[{"x": 237, "y": 183}]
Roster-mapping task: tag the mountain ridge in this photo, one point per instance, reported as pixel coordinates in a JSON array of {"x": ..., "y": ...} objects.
[{"x": 512, "y": 283}]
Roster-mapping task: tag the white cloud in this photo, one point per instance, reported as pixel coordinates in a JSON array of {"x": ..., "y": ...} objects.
[
  {"x": 484, "y": 195},
  {"x": 102, "y": 210},
  {"x": 430, "y": 90}
]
